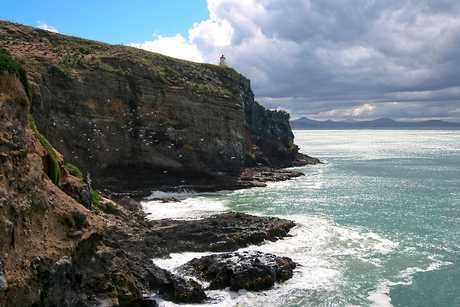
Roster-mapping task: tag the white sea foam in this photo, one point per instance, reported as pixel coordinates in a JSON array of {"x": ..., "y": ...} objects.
[
  {"x": 381, "y": 296},
  {"x": 314, "y": 245},
  {"x": 346, "y": 211},
  {"x": 189, "y": 206}
]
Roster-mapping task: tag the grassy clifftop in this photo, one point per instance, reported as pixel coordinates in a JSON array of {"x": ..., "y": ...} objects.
[
  {"x": 126, "y": 114},
  {"x": 40, "y": 50}
]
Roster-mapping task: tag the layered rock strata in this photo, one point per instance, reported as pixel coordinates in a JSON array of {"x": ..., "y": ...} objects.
[
  {"x": 136, "y": 120},
  {"x": 56, "y": 252}
]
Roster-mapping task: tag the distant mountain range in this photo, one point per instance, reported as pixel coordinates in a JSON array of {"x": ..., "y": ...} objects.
[{"x": 304, "y": 123}]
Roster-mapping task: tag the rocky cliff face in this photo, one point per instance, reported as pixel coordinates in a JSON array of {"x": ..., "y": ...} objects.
[
  {"x": 125, "y": 117},
  {"x": 126, "y": 129},
  {"x": 136, "y": 120},
  {"x": 55, "y": 252},
  {"x": 41, "y": 227}
]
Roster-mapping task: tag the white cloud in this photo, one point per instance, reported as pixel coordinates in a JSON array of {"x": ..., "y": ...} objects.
[
  {"x": 176, "y": 47},
  {"x": 44, "y": 26},
  {"x": 320, "y": 58}
]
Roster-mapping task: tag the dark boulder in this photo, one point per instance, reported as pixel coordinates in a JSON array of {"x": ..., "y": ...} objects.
[
  {"x": 253, "y": 270},
  {"x": 219, "y": 233}
]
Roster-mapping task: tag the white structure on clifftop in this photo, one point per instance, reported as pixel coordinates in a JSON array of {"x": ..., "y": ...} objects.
[{"x": 223, "y": 61}]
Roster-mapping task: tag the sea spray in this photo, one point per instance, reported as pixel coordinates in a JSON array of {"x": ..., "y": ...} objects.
[{"x": 377, "y": 225}]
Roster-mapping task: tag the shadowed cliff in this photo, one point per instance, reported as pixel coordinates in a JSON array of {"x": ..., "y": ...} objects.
[
  {"x": 54, "y": 249},
  {"x": 137, "y": 120},
  {"x": 41, "y": 227}
]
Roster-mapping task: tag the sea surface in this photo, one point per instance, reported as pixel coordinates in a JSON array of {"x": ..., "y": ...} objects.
[{"x": 378, "y": 224}]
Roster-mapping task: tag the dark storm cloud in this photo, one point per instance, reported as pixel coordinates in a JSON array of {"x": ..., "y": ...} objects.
[{"x": 360, "y": 59}]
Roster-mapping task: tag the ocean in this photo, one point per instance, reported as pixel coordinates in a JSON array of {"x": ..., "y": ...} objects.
[{"x": 378, "y": 224}]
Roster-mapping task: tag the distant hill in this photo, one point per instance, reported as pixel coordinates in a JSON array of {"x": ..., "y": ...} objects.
[{"x": 304, "y": 123}]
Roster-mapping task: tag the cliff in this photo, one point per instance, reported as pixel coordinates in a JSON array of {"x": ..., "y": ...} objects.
[
  {"x": 138, "y": 120},
  {"x": 55, "y": 248},
  {"x": 41, "y": 227}
]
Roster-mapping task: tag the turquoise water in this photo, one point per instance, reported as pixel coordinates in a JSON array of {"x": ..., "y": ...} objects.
[{"x": 377, "y": 225}]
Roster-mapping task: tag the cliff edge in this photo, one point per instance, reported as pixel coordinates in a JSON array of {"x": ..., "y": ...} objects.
[
  {"x": 137, "y": 120},
  {"x": 55, "y": 248}
]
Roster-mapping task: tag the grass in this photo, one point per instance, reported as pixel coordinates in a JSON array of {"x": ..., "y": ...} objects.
[
  {"x": 100, "y": 204},
  {"x": 55, "y": 171},
  {"x": 63, "y": 58},
  {"x": 73, "y": 170},
  {"x": 60, "y": 57},
  {"x": 7, "y": 63}
]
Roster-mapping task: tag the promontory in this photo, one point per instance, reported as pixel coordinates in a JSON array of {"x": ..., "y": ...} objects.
[{"x": 78, "y": 116}]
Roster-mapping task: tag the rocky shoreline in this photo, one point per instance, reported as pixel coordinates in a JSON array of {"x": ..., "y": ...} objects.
[
  {"x": 119, "y": 271},
  {"x": 56, "y": 250},
  {"x": 250, "y": 177},
  {"x": 135, "y": 121}
]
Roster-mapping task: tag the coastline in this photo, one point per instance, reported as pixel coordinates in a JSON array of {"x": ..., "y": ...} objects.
[
  {"x": 71, "y": 248},
  {"x": 254, "y": 176},
  {"x": 131, "y": 239}
]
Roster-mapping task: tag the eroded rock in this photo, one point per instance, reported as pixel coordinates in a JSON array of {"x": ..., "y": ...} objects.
[
  {"x": 253, "y": 270},
  {"x": 137, "y": 120},
  {"x": 218, "y": 233},
  {"x": 3, "y": 281}
]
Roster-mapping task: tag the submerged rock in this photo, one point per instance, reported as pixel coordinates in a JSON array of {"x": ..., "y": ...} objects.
[{"x": 253, "y": 270}]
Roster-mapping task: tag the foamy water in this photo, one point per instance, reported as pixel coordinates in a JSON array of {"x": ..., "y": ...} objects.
[{"x": 378, "y": 225}]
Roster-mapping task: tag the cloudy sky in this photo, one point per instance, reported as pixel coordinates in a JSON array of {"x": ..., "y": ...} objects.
[{"x": 323, "y": 59}]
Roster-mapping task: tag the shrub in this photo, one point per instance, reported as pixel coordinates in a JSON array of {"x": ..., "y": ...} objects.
[
  {"x": 97, "y": 200},
  {"x": 110, "y": 207},
  {"x": 5, "y": 52},
  {"x": 62, "y": 71},
  {"x": 73, "y": 170},
  {"x": 13, "y": 67},
  {"x": 99, "y": 203},
  {"x": 85, "y": 50}
]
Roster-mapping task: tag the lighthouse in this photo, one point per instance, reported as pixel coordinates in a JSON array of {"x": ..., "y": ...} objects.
[{"x": 223, "y": 61}]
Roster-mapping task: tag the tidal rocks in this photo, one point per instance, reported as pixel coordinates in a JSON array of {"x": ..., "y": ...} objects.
[
  {"x": 221, "y": 233},
  {"x": 109, "y": 276},
  {"x": 132, "y": 241},
  {"x": 253, "y": 271},
  {"x": 121, "y": 267}
]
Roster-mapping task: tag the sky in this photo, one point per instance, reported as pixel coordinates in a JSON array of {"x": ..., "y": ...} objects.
[{"x": 321, "y": 59}]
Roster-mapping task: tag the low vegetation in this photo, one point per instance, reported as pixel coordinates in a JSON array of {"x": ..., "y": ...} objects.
[
  {"x": 13, "y": 67},
  {"x": 101, "y": 204},
  {"x": 54, "y": 170},
  {"x": 73, "y": 170},
  {"x": 61, "y": 55}
]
